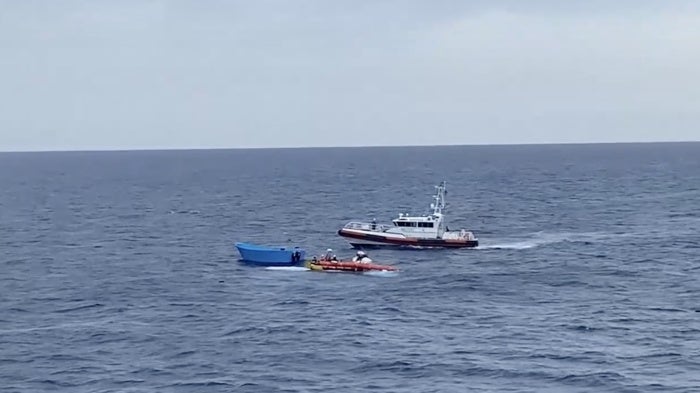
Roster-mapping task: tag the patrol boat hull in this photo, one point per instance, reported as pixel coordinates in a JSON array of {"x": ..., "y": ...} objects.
[{"x": 369, "y": 239}]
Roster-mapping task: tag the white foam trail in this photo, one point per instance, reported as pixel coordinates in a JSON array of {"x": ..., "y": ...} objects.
[
  {"x": 541, "y": 239},
  {"x": 524, "y": 245},
  {"x": 381, "y": 273},
  {"x": 287, "y": 268}
]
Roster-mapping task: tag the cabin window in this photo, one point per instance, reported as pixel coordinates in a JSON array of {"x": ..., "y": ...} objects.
[
  {"x": 425, "y": 224},
  {"x": 405, "y": 224}
]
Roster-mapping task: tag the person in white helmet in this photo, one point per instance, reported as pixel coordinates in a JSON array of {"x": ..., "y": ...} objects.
[
  {"x": 329, "y": 255},
  {"x": 361, "y": 257}
]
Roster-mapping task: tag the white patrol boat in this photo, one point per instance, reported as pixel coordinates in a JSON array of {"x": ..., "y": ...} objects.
[{"x": 410, "y": 231}]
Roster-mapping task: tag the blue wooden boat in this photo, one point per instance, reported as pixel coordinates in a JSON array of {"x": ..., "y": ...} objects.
[{"x": 270, "y": 256}]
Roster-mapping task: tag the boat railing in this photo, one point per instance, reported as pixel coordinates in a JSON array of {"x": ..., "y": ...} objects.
[{"x": 463, "y": 234}]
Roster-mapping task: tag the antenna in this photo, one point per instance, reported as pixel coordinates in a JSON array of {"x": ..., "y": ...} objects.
[{"x": 439, "y": 198}]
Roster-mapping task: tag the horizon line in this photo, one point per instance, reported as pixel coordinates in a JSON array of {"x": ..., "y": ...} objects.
[{"x": 205, "y": 148}]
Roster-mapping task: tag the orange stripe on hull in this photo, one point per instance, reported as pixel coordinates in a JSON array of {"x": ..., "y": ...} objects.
[{"x": 409, "y": 241}]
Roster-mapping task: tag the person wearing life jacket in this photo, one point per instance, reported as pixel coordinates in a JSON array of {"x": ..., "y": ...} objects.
[{"x": 361, "y": 257}]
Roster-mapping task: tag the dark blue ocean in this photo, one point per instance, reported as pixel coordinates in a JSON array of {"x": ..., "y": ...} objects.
[{"x": 118, "y": 271}]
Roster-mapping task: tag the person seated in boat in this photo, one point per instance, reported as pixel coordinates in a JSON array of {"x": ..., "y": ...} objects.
[
  {"x": 329, "y": 256},
  {"x": 361, "y": 257},
  {"x": 374, "y": 224}
]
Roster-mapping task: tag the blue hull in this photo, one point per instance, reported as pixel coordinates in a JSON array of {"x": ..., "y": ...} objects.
[{"x": 271, "y": 256}]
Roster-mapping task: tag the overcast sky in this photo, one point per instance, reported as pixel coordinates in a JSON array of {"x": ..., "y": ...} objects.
[{"x": 189, "y": 74}]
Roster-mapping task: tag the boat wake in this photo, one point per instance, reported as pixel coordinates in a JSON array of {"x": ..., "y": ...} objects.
[
  {"x": 522, "y": 245},
  {"x": 543, "y": 239},
  {"x": 381, "y": 273},
  {"x": 288, "y": 268}
]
